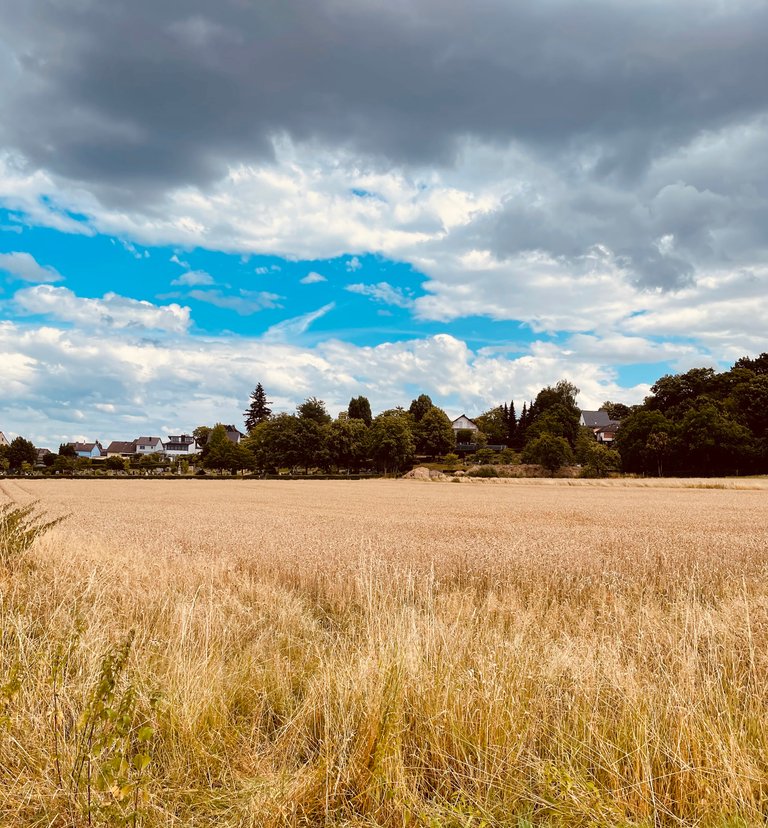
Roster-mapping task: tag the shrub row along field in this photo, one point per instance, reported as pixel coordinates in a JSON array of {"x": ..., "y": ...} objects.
[{"x": 386, "y": 653}]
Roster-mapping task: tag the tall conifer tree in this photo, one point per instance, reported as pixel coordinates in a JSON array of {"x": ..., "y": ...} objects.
[
  {"x": 511, "y": 425},
  {"x": 259, "y": 409}
]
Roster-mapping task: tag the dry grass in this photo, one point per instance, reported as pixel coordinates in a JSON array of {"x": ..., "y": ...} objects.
[{"x": 389, "y": 653}]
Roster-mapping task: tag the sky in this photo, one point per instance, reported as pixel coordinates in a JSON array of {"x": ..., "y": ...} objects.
[{"x": 386, "y": 198}]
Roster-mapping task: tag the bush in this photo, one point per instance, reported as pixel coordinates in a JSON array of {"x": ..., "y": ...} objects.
[
  {"x": 485, "y": 457},
  {"x": 550, "y": 452},
  {"x": 484, "y": 471},
  {"x": 451, "y": 460},
  {"x": 600, "y": 461}
]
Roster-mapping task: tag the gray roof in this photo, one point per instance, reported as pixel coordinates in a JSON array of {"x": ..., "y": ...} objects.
[{"x": 596, "y": 419}]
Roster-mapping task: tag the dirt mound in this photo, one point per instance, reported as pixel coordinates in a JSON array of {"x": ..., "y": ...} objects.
[{"x": 423, "y": 473}]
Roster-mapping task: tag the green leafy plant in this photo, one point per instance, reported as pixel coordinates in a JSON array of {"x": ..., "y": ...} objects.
[
  {"x": 105, "y": 775},
  {"x": 20, "y": 526}
]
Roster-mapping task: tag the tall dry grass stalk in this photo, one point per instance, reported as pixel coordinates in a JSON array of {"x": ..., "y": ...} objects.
[{"x": 387, "y": 653}]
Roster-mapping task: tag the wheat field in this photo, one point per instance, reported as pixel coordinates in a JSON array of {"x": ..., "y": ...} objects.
[{"x": 386, "y": 653}]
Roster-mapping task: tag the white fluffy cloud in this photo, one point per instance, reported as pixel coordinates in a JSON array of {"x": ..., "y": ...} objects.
[
  {"x": 110, "y": 312},
  {"x": 313, "y": 278},
  {"x": 500, "y": 235},
  {"x": 24, "y": 266},
  {"x": 57, "y": 380}
]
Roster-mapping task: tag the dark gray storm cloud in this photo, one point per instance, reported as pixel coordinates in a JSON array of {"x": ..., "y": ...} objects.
[
  {"x": 133, "y": 97},
  {"x": 131, "y": 92}
]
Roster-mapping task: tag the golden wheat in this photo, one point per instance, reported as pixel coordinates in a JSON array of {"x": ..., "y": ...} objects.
[{"x": 389, "y": 653}]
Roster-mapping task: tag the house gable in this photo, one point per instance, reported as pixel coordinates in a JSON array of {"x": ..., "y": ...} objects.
[{"x": 463, "y": 422}]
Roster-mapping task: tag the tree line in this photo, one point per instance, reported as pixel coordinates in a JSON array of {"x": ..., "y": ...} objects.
[
  {"x": 698, "y": 422},
  {"x": 546, "y": 433},
  {"x": 701, "y": 423}
]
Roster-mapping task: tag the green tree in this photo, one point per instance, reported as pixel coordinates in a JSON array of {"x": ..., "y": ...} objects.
[
  {"x": 638, "y": 455},
  {"x": 601, "y": 461},
  {"x": 391, "y": 441},
  {"x": 347, "y": 443},
  {"x": 464, "y": 435},
  {"x": 360, "y": 409},
  {"x": 240, "y": 460},
  {"x": 584, "y": 443},
  {"x": 749, "y": 403},
  {"x": 274, "y": 443},
  {"x": 616, "y": 411},
  {"x": 21, "y": 451},
  {"x": 555, "y": 412},
  {"x": 494, "y": 423},
  {"x": 258, "y": 410},
  {"x": 658, "y": 446},
  {"x": 434, "y": 434},
  {"x": 758, "y": 365},
  {"x": 309, "y": 436},
  {"x": 419, "y": 407},
  {"x": 313, "y": 409},
  {"x": 67, "y": 450},
  {"x": 548, "y": 451},
  {"x": 711, "y": 443},
  {"x": 521, "y": 432},
  {"x": 511, "y": 440},
  {"x": 83, "y": 464},
  {"x": 674, "y": 394},
  {"x": 201, "y": 435},
  {"x": 63, "y": 464},
  {"x": 218, "y": 453},
  {"x": 115, "y": 463}
]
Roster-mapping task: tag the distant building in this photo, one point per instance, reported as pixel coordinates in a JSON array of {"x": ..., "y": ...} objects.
[
  {"x": 601, "y": 425},
  {"x": 3, "y": 440},
  {"x": 42, "y": 453},
  {"x": 121, "y": 448},
  {"x": 148, "y": 445},
  {"x": 180, "y": 445},
  {"x": 234, "y": 434},
  {"x": 91, "y": 450},
  {"x": 463, "y": 423},
  {"x": 606, "y": 434},
  {"x": 595, "y": 419}
]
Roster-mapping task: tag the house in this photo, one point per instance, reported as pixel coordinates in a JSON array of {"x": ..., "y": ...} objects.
[
  {"x": 234, "y": 434},
  {"x": 121, "y": 448},
  {"x": 595, "y": 419},
  {"x": 3, "y": 440},
  {"x": 91, "y": 450},
  {"x": 607, "y": 434},
  {"x": 180, "y": 445},
  {"x": 41, "y": 455},
  {"x": 148, "y": 445},
  {"x": 601, "y": 425},
  {"x": 463, "y": 423}
]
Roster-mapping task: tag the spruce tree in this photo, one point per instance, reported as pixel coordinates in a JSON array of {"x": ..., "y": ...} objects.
[
  {"x": 511, "y": 425},
  {"x": 259, "y": 409},
  {"x": 522, "y": 427}
]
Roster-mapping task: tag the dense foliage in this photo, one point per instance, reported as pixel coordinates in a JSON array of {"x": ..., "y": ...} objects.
[{"x": 701, "y": 423}]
